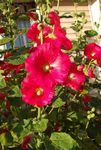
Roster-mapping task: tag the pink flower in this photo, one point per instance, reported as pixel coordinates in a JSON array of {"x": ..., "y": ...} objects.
[
  {"x": 99, "y": 62},
  {"x": 92, "y": 51},
  {"x": 81, "y": 67},
  {"x": 86, "y": 98},
  {"x": 36, "y": 93},
  {"x": 26, "y": 140},
  {"x": 46, "y": 31},
  {"x": 60, "y": 34},
  {"x": 54, "y": 18},
  {"x": 33, "y": 32},
  {"x": 75, "y": 79},
  {"x": 91, "y": 73},
  {"x": 48, "y": 63}
]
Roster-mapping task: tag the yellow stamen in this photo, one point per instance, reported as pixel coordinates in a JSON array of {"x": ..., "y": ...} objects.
[
  {"x": 71, "y": 76},
  {"x": 46, "y": 67},
  {"x": 39, "y": 91},
  {"x": 93, "y": 54}
]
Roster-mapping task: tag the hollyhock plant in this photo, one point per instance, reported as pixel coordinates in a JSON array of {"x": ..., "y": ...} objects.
[
  {"x": 36, "y": 93},
  {"x": 33, "y": 32},
  {"x": 54, "y": 18},
  {"x": 75, "y": 78},
  {"x": 91, "y": 73},
  {"x": 2, "y": 96},
  {"x": 60, "y": 34},
  {"x": 86, "y": 98},
  {"x": 48, "y": 63},
  {"x": 32, "y": 15},
  {"x": 92, "y": 51},
  {"x": 26, "y": 140}
]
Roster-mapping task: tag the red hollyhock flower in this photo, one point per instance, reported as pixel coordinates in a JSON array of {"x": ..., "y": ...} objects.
[
  {"x": 7, "y": 68},
  {"x": 99, "y": 62},
  {"x": 81, "y": 67},
  {"x": 92, "y": 51},
  {"x": 32, "y": 15},
  {"x": 33, "y": 32},
  {"x": 2, "y": 30},
  {"x": 75, "y": 79},
  {"x": 61, "y": 36},
  {"x": 91, "y": 73},
  {"x": 7, "y": 55},
  {"x": 48, "y": 63},
  {"x": 26, "y": 140},
  {"x": 46, "y": 31},
  {"x": 2, "y": 96},
  {"x": 54, "y": 18},
  {"x": 86, "y": 98},
  {"x": 36, "y": 93}
]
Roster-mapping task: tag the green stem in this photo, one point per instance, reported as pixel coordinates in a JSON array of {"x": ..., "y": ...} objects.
[
  {"x": 58, "y": 3},
  {"x": 41, "y": 35},
  {"x": 39, "y": 113}
]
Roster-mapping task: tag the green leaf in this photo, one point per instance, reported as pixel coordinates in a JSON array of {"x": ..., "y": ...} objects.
[
  {"x": 16, "y": 91},
  {"x": 40, "y": 126},
  {"x": 48, "y": 144},
  {"x": 57, "y": 103},
  {"x": 15, "y": 101},
  {"x": 5, "y": 40},
  {"x": 63, "y": 141},
  {"x": 91, "y": 33},
  {"x": 17, "y": 60},
  {"x": 2, "y": 80},
  {"x": 3, "y": 140},
  {"x": 1, "y": 6}
]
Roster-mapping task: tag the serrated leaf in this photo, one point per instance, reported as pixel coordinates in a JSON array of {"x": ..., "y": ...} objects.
[
  {"x": 5, "y": 40},
  {"x": 17, "y": 60},
  {"x": 63, "y": 141},
  {"x": 40, "y": 126},
  {"x": 57, "y": 103}
]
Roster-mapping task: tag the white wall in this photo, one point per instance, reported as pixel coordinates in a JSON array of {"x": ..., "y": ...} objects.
[{"x": 95, "y": 13}]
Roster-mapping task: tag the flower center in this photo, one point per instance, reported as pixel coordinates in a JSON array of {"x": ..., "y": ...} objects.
[
  {"x": 71, "y": 76},
  {"x": 39, "y": 91},
  {"x": 92, "y": 54},
  {"x": 46, "y": 67}
]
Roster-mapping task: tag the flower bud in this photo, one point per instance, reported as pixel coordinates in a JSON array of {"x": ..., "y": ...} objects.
[{"x": 33, "y": 15}]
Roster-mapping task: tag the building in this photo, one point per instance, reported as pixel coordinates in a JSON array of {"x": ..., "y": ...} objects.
[{"x": 66, "y": 6}]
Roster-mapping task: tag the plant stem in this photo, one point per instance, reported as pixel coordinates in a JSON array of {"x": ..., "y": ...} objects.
[
  {"x": 58, "y": 3},
  {"x": 39, "y": 113}
]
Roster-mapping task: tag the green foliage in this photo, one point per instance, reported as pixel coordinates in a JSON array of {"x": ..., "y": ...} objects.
[
  {"x": 5, "y": 40},
  {"x": 2, "y": 81},
  {"x": 16, "y": 60},
  {"x": 91, "y": 33},
  {"x": 68, "y": 123},
  {"x": 40, "y": 126},
  {"x": 63, "y": 141}
]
